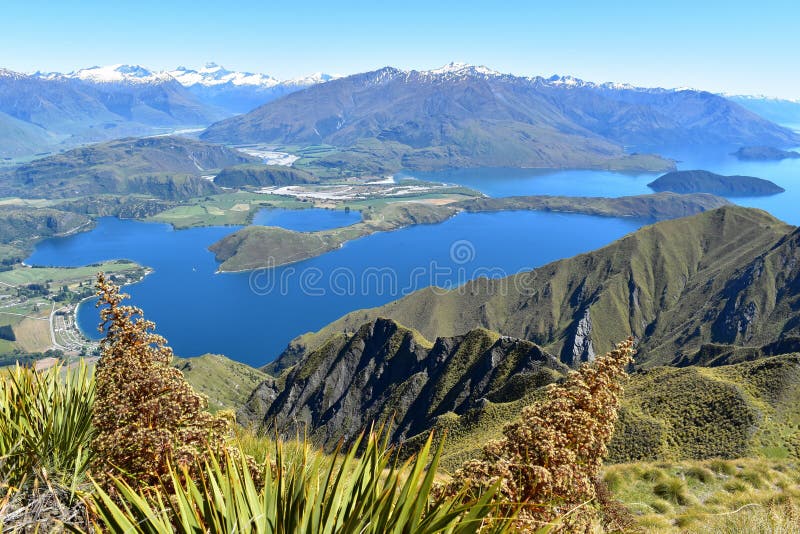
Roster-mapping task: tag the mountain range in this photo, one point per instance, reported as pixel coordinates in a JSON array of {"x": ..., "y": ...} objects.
[
  {"x": 239, "y": 92},
  {"x": 44, "y": 112},
  {"x": 455, "y": 116},
  {"x": 468, "y": 116}
]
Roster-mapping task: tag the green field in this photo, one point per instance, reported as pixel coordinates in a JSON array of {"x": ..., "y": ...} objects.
[
  {"x": 237, "y": 208},
  {"x": 57, "y": 275}
]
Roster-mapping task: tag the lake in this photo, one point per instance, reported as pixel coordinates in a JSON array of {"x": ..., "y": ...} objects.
[
  {"x": 252, "y": 316},
  {"x": 509, "y": 182}
]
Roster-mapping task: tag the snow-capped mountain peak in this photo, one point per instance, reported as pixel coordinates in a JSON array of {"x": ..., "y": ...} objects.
[
  {"x": 459, "y": 68},
  {"x": 311, "y": 79},
  {"x": 5, "y": 73},
  {"x": 119, "y": 74},
  {"x": 213, "y": 75}
]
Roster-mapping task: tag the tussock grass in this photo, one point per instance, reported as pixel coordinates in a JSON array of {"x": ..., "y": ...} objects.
[
  {"x": 742, "y": 495},
  {"x": 45, "y": 433},
  {"x": 366, "y": 493}
]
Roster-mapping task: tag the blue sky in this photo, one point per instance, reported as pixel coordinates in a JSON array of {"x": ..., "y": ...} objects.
[{"x": 742, "y": 47}]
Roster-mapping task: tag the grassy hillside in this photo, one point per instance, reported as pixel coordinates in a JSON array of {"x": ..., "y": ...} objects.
[
  {"x": 669, "y": 414},
  {"x": 745, "y": 409},
  {"x": 257, "y": 175},
  {"x": 709, "y": 497},
  {"x": 720, "y": 276},
  {"x": 226, "y": 383},
  {"x": 21, "y": 226},
  {"x": 164, "y": 167}
]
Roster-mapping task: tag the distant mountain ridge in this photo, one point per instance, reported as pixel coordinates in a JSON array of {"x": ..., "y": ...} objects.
[
  {"x": 58, "y": 111},
  {"x": 240, "y": 92},
  {"x": 49, "y": 111},
  {"x": 230, "y": 92},
  {"x": 165, "y": 167},
  {"x": 463, "y": 115},
  {"x": 779, "y": 110}
]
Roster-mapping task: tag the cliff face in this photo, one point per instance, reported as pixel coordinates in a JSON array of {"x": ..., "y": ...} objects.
[{"x": 387, "y": 372}]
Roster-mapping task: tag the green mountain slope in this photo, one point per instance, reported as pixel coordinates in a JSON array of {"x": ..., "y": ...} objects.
[
  {"x": 464, "y": 116},
  {"x": 165, "y": 167},
  {"x": 226, "y": 383},
  {"x": 259, "y": 175},
  {"x": 20, "y": 138},
  {"x": 728, "y": 275},
  {"x": 732, "y": 411},
  {"x": 22, "y": 226}
]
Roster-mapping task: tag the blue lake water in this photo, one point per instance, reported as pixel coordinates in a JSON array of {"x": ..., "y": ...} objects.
[
  {"x": 252, "y": 316},
  {"x": 510, "y": 182}
]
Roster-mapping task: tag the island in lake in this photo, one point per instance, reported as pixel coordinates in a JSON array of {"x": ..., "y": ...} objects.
[
  {"x": 764, "y": 153},
  {"x": 699, "y": 181}
]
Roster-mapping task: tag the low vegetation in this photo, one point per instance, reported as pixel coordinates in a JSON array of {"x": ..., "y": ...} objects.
[
  {"x": 45, "y": 447},
  {"x": 133, "y": 450},
  {"x": 712, "y": 496},
  {"x": 550, "y": 458}
]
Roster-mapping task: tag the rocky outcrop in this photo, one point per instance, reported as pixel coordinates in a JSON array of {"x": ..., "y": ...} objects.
[
  {"x": 582, "y": 349},
  {"x": 385, "y": 372}
]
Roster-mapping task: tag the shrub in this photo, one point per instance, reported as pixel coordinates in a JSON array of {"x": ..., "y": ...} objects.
[
  {"x": 146, "y": 414},
  {"x": 7, "y": 333},
  {"x": 549, "y": 459}
]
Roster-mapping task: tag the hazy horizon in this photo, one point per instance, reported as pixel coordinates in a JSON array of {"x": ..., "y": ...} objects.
[{"x": 731, "y": 47}]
